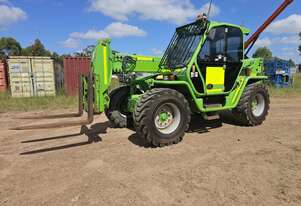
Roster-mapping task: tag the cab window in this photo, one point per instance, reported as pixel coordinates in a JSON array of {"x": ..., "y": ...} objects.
[
  {"x": 222, "y": 42},
  {"x": 214, "y": 46},
  {"x": 234, "y": 44}
]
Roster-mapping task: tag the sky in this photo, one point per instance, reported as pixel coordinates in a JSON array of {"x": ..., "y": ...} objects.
[{"x": 140, "y": 26}]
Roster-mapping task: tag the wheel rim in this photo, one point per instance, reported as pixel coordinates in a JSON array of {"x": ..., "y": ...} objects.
[
  {"x": 167, "y": 118},
  {"x": 258, "y": 105}
]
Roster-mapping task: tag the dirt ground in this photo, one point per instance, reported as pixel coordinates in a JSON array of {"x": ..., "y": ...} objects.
[{"x": 216, "y": 164}]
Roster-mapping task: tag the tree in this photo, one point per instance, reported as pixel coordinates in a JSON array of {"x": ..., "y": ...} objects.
[
  {"x": 300, "y": 45},
  {"x": 9, "y": 47},
  {"x": 79, "y": 54},
  {"x": 37, "y": 49},
  {"x": 57, "y": 58},
  {"x": 87, "y": 52},
  {"x": 263, "y": 52},
  {"x": 291, "y": 63}
]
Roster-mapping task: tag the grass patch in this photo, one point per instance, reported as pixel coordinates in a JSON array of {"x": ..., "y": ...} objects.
[
  {"x": 295, "y": 90},
  {"x": 13, "y": 104},
  {"x": 10, "y": 104}
]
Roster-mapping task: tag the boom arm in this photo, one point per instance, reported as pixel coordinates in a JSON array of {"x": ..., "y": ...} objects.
[
  {"x": 105, "y": 63},
  {"x": 276, "y": 13}
]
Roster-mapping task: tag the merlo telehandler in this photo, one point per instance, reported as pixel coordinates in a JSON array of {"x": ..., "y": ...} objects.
[{"x": 204, "y": 70}]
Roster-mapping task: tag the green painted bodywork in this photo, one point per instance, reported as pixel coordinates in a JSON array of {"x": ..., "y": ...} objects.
[
  {"x": 102, "y": 65},
  {"x": 106, "y": 63}
]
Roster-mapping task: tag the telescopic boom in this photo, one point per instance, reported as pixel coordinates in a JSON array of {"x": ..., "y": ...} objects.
[{"x": 261, "y": 29}]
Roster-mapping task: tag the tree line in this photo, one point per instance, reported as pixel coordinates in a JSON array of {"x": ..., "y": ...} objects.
[
  {"x": 300, "y": 45},
  {"x": 11, "y": 47}
]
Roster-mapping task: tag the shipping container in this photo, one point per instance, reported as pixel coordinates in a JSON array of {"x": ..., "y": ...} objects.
[
  {"x": 31, "y": 76},
  {"x": 73, "y": 67},
  {"x": 3, "y": 76}
]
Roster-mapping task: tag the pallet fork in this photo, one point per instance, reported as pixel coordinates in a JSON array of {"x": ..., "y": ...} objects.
[{"x": 88, "y": 95}]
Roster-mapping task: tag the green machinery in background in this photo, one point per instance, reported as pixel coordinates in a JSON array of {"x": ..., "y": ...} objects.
[{"x": 204, "y": 70}]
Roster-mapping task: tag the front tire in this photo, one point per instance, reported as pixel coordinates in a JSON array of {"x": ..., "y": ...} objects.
[
  {"x": 162, "y": 117},
  {"x": 116, "y": 112},
  {"x": 253, "y": 106}
]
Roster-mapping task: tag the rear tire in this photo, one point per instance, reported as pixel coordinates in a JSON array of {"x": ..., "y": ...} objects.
[
  {"x": 162, "y": 117},
  {"x": 116, "y": 113},
  {"x": 253, "y": 106}
]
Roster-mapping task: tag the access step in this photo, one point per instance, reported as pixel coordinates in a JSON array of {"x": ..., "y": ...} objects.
[{"x": 213, "y": 105}]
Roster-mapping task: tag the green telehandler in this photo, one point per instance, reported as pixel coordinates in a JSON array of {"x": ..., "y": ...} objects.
[{"x": 204, "y": 70}]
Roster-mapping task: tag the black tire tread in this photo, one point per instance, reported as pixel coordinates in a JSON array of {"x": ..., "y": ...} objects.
[
  {"x": 143, "y": 107},
  {"x": 241, "y": 113}
]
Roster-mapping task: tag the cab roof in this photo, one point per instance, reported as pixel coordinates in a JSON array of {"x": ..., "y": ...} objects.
[{"x": 245, "y": 30}]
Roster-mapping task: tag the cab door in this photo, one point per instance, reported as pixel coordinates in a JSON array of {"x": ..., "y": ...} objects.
[
  {"x": 212, "y": 60},
  {"x": 220, "y": 59}
]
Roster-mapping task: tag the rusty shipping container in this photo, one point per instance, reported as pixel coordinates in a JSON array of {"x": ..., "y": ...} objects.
[
  {"x": 73, "y": 67},
  {"x": 3, "y": 76},
  {"x": 31, "y": 76}
]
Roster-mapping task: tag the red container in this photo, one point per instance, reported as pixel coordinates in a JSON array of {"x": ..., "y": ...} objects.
[
  {"x": 73, "y": 67},
  {"x": 3, "y": 76}
]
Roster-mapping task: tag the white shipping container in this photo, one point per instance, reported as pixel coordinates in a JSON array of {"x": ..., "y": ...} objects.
[{"x": 31, "y": 76}]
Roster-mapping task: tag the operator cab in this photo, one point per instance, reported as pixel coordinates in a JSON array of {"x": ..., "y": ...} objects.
[
  {"x": 213, "y": 50},
  {"x": 220, "y": 58}
]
